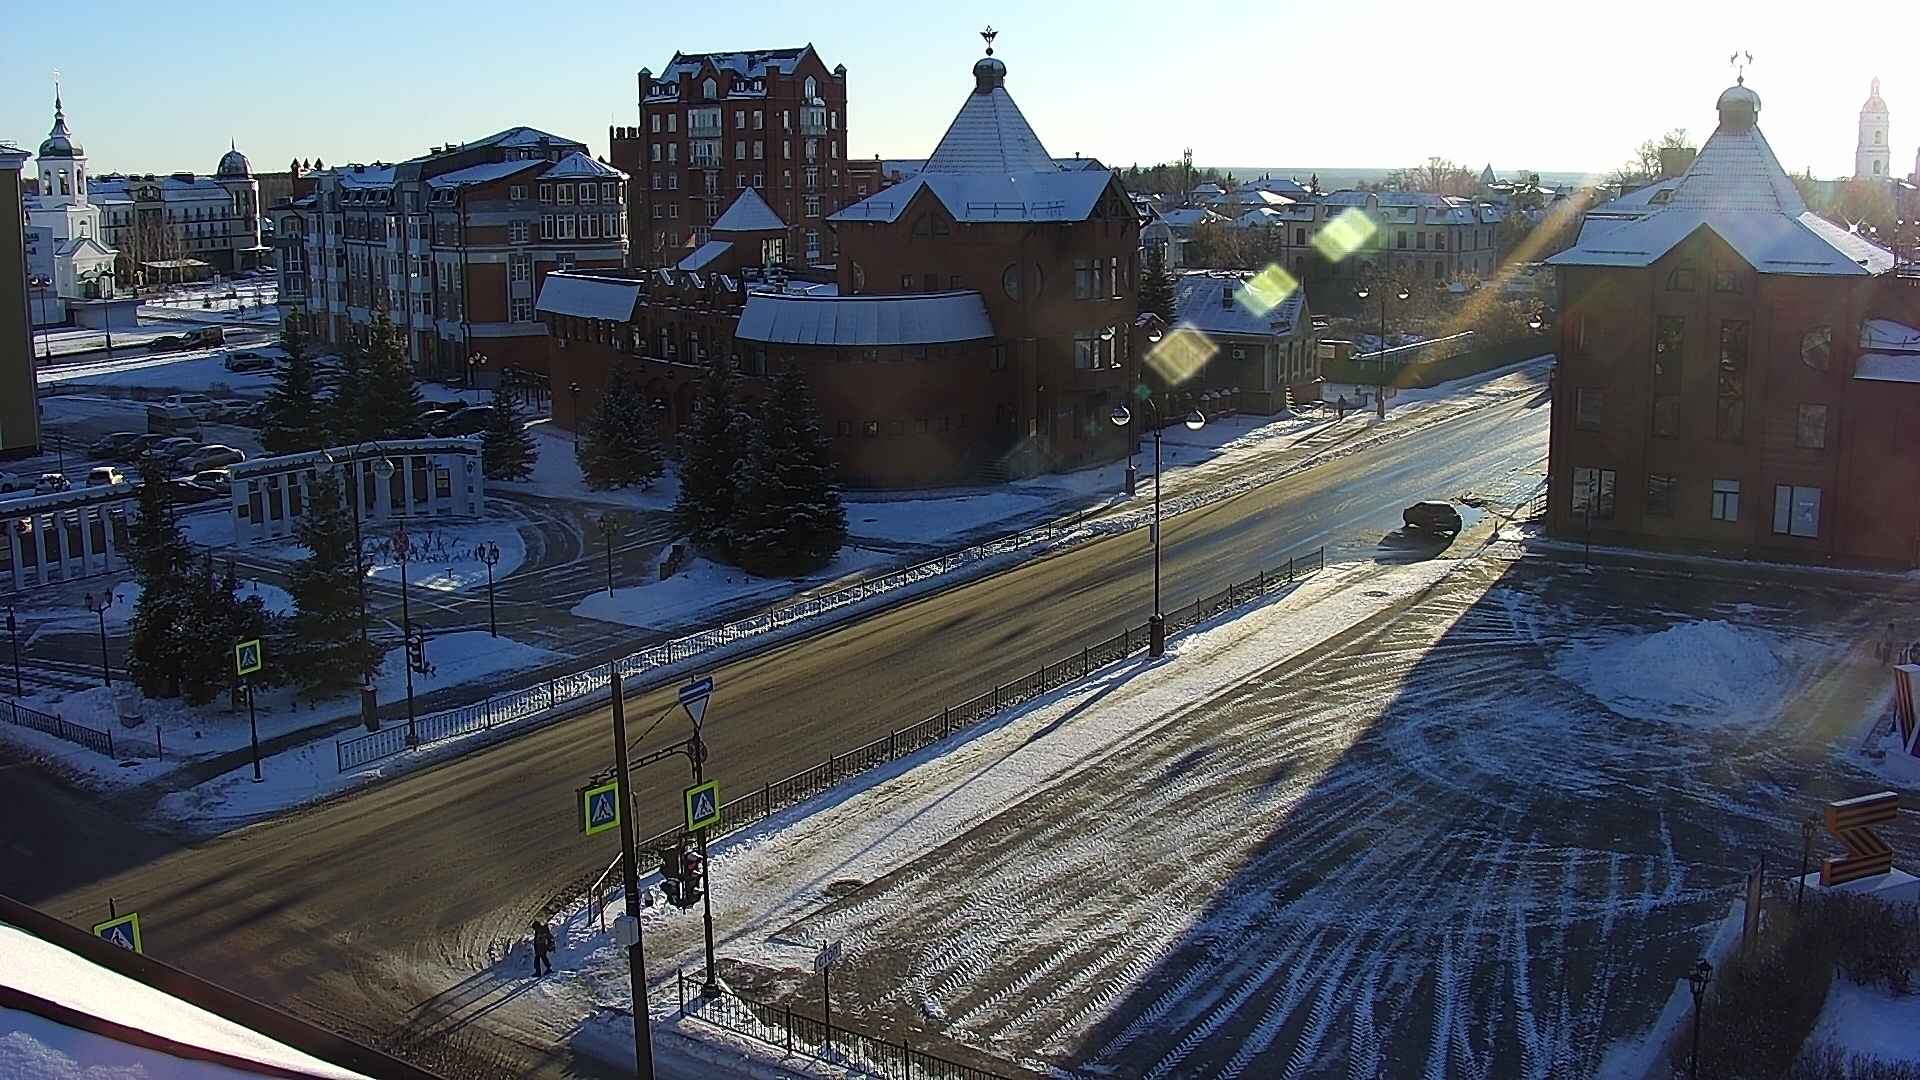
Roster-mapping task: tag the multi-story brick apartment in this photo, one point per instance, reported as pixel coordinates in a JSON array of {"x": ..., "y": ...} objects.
[
  {"x": 1736, "y": 374},
  {"x": 19, "y": 393},
  {"x": 979, "y": 324},
  {"x": 715, "y": 124},
  {"x": 453, "y": 246},
  {"x": 162, "y": 225}
]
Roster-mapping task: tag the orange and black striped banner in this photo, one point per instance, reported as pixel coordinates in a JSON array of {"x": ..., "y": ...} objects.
[{"x": 1850, "y": 821}]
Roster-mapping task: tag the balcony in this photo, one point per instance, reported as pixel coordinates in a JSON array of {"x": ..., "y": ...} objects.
[{"x": 812, "y": 122}]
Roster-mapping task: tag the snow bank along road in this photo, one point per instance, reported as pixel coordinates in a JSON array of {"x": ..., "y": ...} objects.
[
  {"x": 357, "y": 907},
  {"x": 1441, "y": 844}
]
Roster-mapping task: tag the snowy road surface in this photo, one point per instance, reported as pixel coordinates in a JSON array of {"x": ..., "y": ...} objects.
[{"x": 1419, "y": 851}]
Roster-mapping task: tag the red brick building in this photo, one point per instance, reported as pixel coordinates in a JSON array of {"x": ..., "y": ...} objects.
[
  {"x": 1736, "y": 374},
  {"x": 715, "y": 124},
  {"x": 452, "y": 246},
  {"x": 978, "y": 326}
]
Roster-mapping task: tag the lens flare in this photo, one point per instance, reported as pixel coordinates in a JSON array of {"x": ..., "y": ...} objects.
[
  {"x": 1180, "y": 355},
  {"x": 1344, "y": 235},
  {"x": 1266, "y": 290}
]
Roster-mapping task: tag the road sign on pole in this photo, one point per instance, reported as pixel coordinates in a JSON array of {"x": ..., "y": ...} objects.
[
  {"x": 600, "y": 807},
  {"x": 246, "y": 657},
  {"x": 123, "y": 931},
  {"x": 693, "y": 698},
  {"x": 703, "y": 805}
]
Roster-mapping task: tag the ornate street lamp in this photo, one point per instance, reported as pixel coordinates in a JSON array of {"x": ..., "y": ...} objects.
[
  {"x": 1697, "y": 979},
  {"x": 98, "y": 605},
  {"x": 1121, "y": 417},
  {"x": 490, "y": 554}
]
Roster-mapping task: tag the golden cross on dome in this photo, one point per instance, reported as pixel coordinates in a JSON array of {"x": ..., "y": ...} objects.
[
  {"x": 989, "y": 34},
  {"x": 1740, "y": 59}
]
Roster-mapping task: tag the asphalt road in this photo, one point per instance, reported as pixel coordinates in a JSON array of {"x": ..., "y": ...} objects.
[{"x": 353, "y": 911}]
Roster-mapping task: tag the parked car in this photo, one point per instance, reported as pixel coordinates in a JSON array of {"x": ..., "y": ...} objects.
[
  {"x": 186, "y": 492},
  {"x": 15, "y": 486},
  {"x": 52, "y": 482},
  {"x": 174, "y": 447},
  {"x": 431, "y": 419},
  {"x": 200, "y": 406},
  {"x": 219, "y": 480},
  {"x": 143, "y": 445},
  {"x": 211, "y": 457},
  {"x": 208, "y": 335},
  {"x": 1434, "y": 517},
  {"x": 113, "y": 446},
  {"x": 165, "y": 342},
  {"x": 105, "y": 476},
  {"x": 243, "y": 360},
  {"x": 468, "y": 421}
]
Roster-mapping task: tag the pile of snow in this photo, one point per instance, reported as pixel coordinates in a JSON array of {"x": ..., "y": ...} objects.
[
  {"x": 704, "y": 587},
  {"x": 1868, "y": 1020},
  {"x": 464, "y": 657},
  {"x": 1709, "y": 670},
  {"x": 556, "y": 475}
]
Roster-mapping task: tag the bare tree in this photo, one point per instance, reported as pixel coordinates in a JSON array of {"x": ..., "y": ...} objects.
[
  {"x": 1437, "y": 176},
  {"x": 1644, "y": 165}
]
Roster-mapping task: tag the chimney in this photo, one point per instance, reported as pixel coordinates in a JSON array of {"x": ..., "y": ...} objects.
[{"x": 1675, "y": 160}]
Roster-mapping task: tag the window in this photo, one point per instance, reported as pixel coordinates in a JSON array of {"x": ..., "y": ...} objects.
[
  {"x": 708, "y": 91},
  {"x": 655, "y": 125},
  {"x": 1086, "y": 350},
  {"x": 546, "y": 224},
  {"x": 1667, "y": 343},
  {"x": 1726, "y": 281},
  {"x": 812, "y": 88},
  {"x": 1730, "y": 415},
  {"x": 896, "y": 427},
  {"x": 1400, "y": 239},
  {"x": 1680, "y": 279},
  {"x": 997, "y": 358},
  {"x": 1726, "y": 500},
  {"x": 1810, "y": 429},
  {"x": 1592, "y": 491},
  {"x": 1084, "y": 274},
  {"x": 586, "y": 193},
  {"x": 906, "y": 282},
  {"x": 1010, "y": 281},
  {"x": 566, "y": 194},
  {"x": 1796, "y": 510},
  {"x": 813, "y": 244},
  {"x": 521, "y": 309},
  {"x": 519, "y": 266},
  {"x": 759, "y": 149},
  {"x": 1587, "y": 404},
  {"x": 786, "y": 178},
  {"x": 1816, "y": 347},
  {"x": 609, "y": 191},
  {"x": 811, "y": 206},
  {"x": 1666, "y": 415},
  {"x": 1660, "y": 495},
  {"x": 759, "y": 119},
  {"x": 843, "y": 428},
  {"x": 739, "y": 149},
  {"x": 546, "y": 190}
]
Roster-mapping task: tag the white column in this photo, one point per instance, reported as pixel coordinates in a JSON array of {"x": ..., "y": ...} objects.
[
  {"x": 40, "y": 546},
  {"x": 106, "y": 533},
  {"x": 382, "y": 497},
  {"x": 86, "y": 539},
  {"x": 13, "y": 548}
]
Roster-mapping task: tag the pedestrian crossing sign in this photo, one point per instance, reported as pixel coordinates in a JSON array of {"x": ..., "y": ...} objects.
[
  {"x": 703, "y": 805},
  {"x": 123, "y": 931},
  {"x": 246, "y": 657},
  {"x": 600, "y": 807}
]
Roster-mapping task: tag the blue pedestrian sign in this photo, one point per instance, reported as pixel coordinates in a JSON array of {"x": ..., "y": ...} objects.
[
  {"x": 600, "y": 807},
  {"x": 703, "y": 805},
  {"x": 693, "y": 698},
  {"x": 123, "y": 931}
]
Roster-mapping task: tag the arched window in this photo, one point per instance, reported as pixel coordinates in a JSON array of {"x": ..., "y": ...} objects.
[
  {"x": 708, "y": 90},
  {"x": 1010, "y": 281},
  {"x": 813, "y": 88}
]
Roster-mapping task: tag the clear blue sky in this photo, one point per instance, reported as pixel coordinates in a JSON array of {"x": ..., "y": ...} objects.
[{"x": 1361, "y": 83}]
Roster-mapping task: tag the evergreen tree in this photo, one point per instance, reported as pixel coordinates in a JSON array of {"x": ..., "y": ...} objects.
[
  {"x": 788, "y": 518},
  {"x": 621, "y": 445},
  {"x": 293, "y": 422},
  {"x": 714, "y": 444},
  {"x": 323, "y": 649},
  {"x": 162, "y": 623},
  {"x": 347, "y": 396},
  {"x": 216, "y": 619},
  {"x": 1157, "y": 286},
  {"x": 392, "y": 406},
  {"x": 506, "y": 450}
]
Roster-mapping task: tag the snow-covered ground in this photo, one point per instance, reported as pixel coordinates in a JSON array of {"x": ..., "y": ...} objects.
[
  {"x": 1869, "y": 1020},
  {"x": 556, "y": 475},
  {"x": 446, "y": 555},
  {"x": 1696, "y": 671},
  {"x": 704, "y": 587},
  {"x": 197, "y": 371}
]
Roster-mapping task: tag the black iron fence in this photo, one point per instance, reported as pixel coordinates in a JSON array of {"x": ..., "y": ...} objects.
[
  {"x": 100, "y": 742},
  {"x": 807, "y": 1036},
  {"x": 777, "y": 795}
]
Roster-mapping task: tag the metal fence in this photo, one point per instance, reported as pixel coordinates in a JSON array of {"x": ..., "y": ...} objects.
[
  {"x": 540, "y": 698},
  {"x": 777, "y": 795},
  {"x": 100, "y": 742},
  {"x": 798, "y": 1033}
]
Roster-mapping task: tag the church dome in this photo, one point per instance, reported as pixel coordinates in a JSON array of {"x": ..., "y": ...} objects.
[
  {"x": 1739, "y": 107},
  {"x": 60, "y": 142},
  {"x": 234, "y": 163},
  {"x": 987, "y": 74}
]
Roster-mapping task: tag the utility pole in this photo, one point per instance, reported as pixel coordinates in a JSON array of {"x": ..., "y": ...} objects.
[
  {"x": 711, "y": 987},
  {"x": 636, "y": 954}
]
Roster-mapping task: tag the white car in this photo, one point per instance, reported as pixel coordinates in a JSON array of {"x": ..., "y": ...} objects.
[
  {"x": 105, "y": 476},
  {"x": 199, "y": 406}
]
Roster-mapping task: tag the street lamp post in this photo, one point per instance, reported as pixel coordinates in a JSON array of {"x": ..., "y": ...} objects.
[
  {"x": 13, "y": 632},
  {"x": 490, "y": 554},
  {"x": 383, "y": 470},
  {"x": 1697, "y": 980},
  {"x": 402, "y": 554},
  {"x": 476, "y": 366},
  {"x": 610, "y": 530},
  {"x": 98, "y": 605},
  {"x": 1157, "y": 624},
  {"x": 574, "y": 389},
  {"x": 1380, "y": 391}
]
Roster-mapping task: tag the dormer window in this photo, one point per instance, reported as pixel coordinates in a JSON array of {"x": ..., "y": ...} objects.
[
  {"x": 708, "y": 90},
  {"x": 812, "y": 88}
]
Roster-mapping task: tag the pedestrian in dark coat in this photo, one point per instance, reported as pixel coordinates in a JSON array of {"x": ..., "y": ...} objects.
[{"x": 542, "y": 948}]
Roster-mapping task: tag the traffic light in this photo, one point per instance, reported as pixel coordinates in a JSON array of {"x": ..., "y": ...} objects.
[
  {"x": 417, "y": 652},
  {"x": 691, "y": 880}
]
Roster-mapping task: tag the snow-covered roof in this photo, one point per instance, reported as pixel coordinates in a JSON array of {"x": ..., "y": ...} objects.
[
  {"x": 748, "y": 213},
  {"x": 580, "y": 166},
  {"x": 588, "y": 297},
  {"x": 1886, "y": 335},
  {"x": 1292, "y": 189},
  {"x": 482, "y": 173},
  {"x": 905, "y": 319},
  {"x": 753, "y": 64},
  {"x": 704, "y": 254},
  {"x": 1197, "y": 303},
  {"x": 1888, "y": 367},
  {"x": 1187, "y": 217},
  {"x": 365, "y": 176},
  {"x": 979, "y": 197},
  {"x": 988, "y": 135},
  {"x": 1736, "y": 188},
  {"x": 84, "y": 1018},
  {"x": 1254, "y": 198}
]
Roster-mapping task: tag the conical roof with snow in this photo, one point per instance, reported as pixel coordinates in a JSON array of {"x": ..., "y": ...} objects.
[
  {"x": 989, "y": 135},
  {"x": 749, "y": 213}
]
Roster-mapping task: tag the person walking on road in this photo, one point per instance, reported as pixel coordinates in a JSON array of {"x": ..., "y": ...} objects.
[{"x": 542, "y": 948}]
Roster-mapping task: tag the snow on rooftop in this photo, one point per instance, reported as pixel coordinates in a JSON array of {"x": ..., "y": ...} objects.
[
  {"x": 753, "y": 64},
  {"x": 704, "y": 254},
  {"x": 1197, "y": 303},
  {"x": 1888, "y": 335},
  {"x": 748, "y": 213},
  {"x": 979, "y": 197},
  {"x": 480, "y": 174},
  {"x": 908, "y": 319},
  {"x": 578, "y": 165},
  {"x": 989, "y": 135},
  {"x": 62, "y": 978},
  {"x": 588, "y": 297},
  {"x": 1888, "y": 367}
]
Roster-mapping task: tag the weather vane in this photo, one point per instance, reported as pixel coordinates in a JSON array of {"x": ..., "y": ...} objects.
[
  {"x": 989, "y": 34},
  {"x": 1740, "y": 59}
]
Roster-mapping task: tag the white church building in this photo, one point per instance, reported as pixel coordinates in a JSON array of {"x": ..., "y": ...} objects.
[{"x": 67, "y": 258}]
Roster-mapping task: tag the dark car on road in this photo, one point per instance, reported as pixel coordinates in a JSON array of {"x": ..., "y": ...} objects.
[
  {"x": 114, "y": 446},
  {"x": 469, "y": 421},
  {"x": 165, "y": 341},
  {"x": 1433, "y": 517}
]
